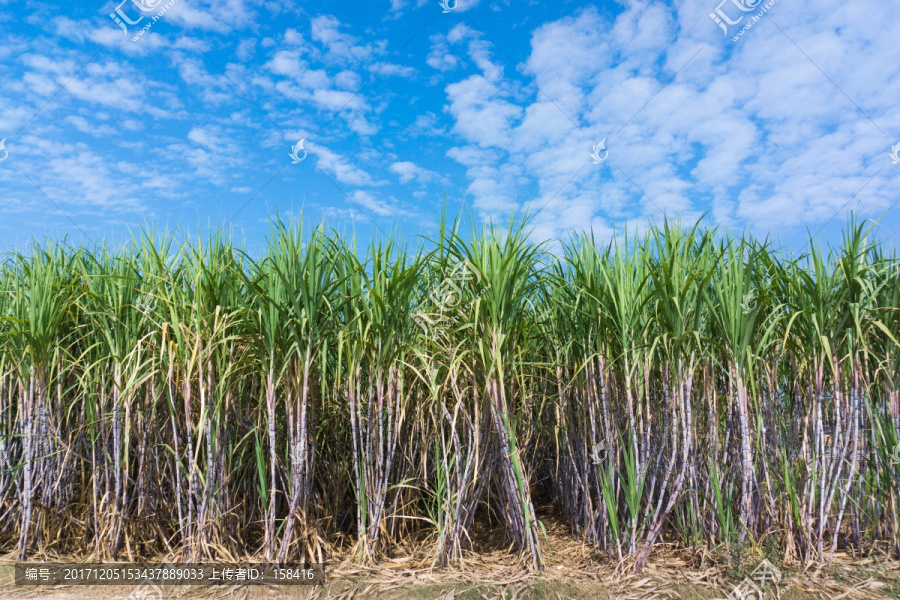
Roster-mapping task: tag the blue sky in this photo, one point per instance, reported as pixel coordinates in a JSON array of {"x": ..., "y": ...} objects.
[{"x": 777, "y": 124}]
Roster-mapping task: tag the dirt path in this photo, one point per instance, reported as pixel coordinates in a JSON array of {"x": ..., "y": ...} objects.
[
  {"x": 666, "y": 577},
  {"x": 573, "y": 572}
]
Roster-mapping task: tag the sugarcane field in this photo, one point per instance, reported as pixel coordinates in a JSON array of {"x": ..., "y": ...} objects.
[
  {"x": 449, "y": 300},
  {"x": 681, "y": 404}
]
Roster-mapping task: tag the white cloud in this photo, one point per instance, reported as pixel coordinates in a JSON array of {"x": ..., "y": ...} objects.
[
  {"x": 390, "y": 69},
  {"x": 439, "y": 56},
  {"x": 427, "y": 124},
  {"x": 377, "y": 206},
  {"x": 245, "y": 49},
  {"x": 339, "y": 167},
  {"x": 754, "y": 131},
  {"x": 409, "y": 171},
  {"x": 221, "y": 16},
  {"x": 94, "y": 129},
  {"x": 341, "y": 47},
  {"x": 78, "y": 179}
]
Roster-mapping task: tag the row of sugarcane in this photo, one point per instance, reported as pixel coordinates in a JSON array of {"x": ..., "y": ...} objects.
[{"x": 687, "y": 386}]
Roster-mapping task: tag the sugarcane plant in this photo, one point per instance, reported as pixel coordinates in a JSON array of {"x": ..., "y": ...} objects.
[{"x": 685, "y": 385}]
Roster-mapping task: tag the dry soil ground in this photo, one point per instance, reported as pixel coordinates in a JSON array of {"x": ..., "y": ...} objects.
[
  {"x": 573, "y": 572},
  {"x": 666, "y": 577}
]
